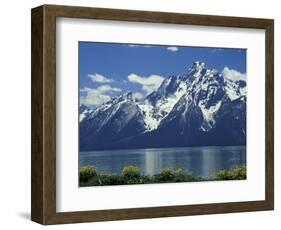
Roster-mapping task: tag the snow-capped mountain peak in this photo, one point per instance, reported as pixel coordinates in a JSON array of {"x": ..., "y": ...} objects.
[
  {"x": 199, "y": 65},
  {"x": 124, "y": 98},
  {"x": 235, "y": 83},
  {"x": 84, "y": 112},
  {"x": 199, "y": 102},
  {"x": 160, "y": 103}
]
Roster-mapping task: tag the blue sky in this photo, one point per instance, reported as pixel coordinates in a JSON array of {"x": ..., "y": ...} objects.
[{"x": 110, "y": 69}]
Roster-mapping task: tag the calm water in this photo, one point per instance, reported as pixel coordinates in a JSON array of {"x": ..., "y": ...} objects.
[{"x": 202, "y": 161}]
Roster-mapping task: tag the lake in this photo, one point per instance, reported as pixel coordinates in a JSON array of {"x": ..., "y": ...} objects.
[{"x": 201, "y": 161}]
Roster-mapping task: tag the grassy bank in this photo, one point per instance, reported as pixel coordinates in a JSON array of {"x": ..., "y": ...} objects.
[{"x": 131, "y": 175}]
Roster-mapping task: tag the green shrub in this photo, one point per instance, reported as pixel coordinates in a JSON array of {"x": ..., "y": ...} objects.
[
  {"x": 145, "y": 179},
  {"x": 191, "y": 177},
  {"x": 131, "y": 175},
  {"x": 100, "y": 179},
  {"x": 237, "y": 173},
  {"x": 131, "y": 171},
  {"x": 114, "y": 180},
  {"x": 179, "y": 171},
  {"x": 166, "y": 174},
  {"x": 179, "y": 175},
  {"x": 86, "y": 173}
]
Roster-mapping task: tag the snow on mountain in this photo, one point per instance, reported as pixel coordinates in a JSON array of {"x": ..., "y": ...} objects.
[
  {"x": 116, "y": 119},
  {"x": 201, "y": 103},
  {"x": 84, "y": 112},
  {"x": 124, "y": 104},
  {"x": 159, "y": 103},
  {"x": 235, "y": 83}
]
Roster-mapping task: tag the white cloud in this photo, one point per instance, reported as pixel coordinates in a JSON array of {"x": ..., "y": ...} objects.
[
  {"x": 214, "y": 50},
  {"x": 85, "y": 89},
  {"x": 148, "y": 84},
  {"x": 94, "y": 98},
  {"x": 138, "y": 95},
  {"x": 99, "y": 78},
  {"x": 97, "y": 96},
  {"x": 173, "y": 48},
  {"x": 136, "y": 45},
  {"x": 233, "y": 75},
  {"x": 133, "y": 45},
  {"x": 108, "y": 88}
]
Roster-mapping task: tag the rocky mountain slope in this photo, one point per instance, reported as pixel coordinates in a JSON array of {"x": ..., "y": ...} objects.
[{"x": 201, "y": 107}]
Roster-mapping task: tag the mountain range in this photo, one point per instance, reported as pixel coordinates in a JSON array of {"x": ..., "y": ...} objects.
[{"x": 202, "y": 107}]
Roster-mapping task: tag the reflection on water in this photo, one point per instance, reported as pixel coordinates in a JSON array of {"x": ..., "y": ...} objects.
[{"x": 202, "y": 161}]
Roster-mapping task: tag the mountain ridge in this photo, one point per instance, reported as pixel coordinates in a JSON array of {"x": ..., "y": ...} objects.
[{"x": 201, "y": 107}]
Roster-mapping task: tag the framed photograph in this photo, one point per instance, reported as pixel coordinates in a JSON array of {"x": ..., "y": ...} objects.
[{"x": 141, "y": 114}]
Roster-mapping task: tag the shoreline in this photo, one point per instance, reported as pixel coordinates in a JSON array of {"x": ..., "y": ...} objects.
[{"x": 131, "y": 175}]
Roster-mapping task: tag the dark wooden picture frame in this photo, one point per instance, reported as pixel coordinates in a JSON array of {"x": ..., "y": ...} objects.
[{"x": 43, "y": 207}]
